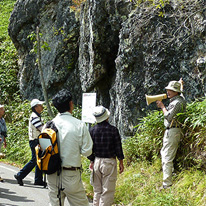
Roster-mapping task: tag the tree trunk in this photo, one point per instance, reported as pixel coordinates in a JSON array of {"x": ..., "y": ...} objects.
[{"x": 41, "y": 75}]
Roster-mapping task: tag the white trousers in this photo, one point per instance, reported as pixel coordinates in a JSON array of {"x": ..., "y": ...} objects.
[
  {"x": 168, "y": 152},
  {"x": 73, "y": 189},
  {"x": 105, "y": 176}
]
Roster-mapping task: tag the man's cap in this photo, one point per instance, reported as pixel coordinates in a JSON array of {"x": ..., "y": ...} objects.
[
  {"x": 174, "y": 86},
  {"x": 1, "y": 106},
  {"x": 35, "y": 102},
  {"x": 101, "y": 113}
]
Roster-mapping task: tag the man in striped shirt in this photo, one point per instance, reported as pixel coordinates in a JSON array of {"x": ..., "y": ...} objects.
[{"x": 35, "y": 127}]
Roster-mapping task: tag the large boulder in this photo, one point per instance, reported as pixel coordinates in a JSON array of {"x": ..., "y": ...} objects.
[
  {"x": 117, "y": 48},
  {"x": 158, "y": 45},
  {"x": 99, "y": 42},
  {"x": 60, "y": 30}
]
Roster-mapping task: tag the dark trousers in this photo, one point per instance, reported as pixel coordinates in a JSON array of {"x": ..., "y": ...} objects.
[{"x": 31, "y": 164}]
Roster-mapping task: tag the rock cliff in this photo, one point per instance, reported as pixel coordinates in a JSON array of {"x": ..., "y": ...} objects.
[{"x": 117, "y": 48}]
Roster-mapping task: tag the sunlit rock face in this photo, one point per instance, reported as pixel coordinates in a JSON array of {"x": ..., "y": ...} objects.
[
  {"x": 115, "y": 48},
  {"x": 60, "y": 30},
  {"x": 153, "y": 50}
]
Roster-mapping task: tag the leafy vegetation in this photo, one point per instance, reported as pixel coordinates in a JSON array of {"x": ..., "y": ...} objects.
[
  {"x": 8, "y": 56},
  {"x": 147, "y": 142},
  {"x": 76, "y": 5},
  {"x": 140, "y": 183}
]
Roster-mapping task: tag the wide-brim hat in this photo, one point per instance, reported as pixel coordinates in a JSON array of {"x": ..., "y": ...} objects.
[
  {"x": 1, "y": 105},
  {"x": 101, "y": 113},
  {"x": 35, "y": 102},
  {"x": 174, "y": 86}
]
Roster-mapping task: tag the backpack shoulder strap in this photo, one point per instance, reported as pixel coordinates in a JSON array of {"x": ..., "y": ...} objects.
[{"x": 50, "y": 124}]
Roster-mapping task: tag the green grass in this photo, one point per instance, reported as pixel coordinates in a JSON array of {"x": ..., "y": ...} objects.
[
  {"x": 6, "y": 7},
  {"x": 140, "y": 185},
  {"x": 8, "y": 56}
]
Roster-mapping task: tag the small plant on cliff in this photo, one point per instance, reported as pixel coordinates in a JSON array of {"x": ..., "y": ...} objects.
[
  {"x": 76, "y": 4},
  {"x": 33, "y": 38},
  {"x": 76, "y": 7}
]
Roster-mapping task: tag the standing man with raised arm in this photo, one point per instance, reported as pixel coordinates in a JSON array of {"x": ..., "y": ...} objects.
[{"x": 173, "y": 131}]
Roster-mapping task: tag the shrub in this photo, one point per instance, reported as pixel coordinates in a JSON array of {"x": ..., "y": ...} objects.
[
  {"x": 147, "y": 142},
  {"x": 8, "y": 60}
]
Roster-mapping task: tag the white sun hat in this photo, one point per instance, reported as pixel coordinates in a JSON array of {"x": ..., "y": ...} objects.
[
  {"x": 34, "y": 102},
  {"x": 101, "y": 113}
]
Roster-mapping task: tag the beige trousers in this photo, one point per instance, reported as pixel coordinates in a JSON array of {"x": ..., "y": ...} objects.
[
  {"x": 168, "y": 152},
  {"x": 73, "y": 189},
  {"x": 105, "y": 176}
]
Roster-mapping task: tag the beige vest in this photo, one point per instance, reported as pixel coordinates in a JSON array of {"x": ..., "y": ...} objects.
[{"x": 33, "y": 131}]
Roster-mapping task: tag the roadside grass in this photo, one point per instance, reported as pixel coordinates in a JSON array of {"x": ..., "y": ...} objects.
[
  {"x": 141, "y": 182},
  {"x": 140, "y": 185}
]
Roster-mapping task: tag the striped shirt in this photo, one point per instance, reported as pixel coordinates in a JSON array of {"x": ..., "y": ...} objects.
[
  {"x": 177, "y": 105},
  {"x": 35, "y": 126},
  {"x": 106, "y": 141},
  {"x": 36, "y": 121}
]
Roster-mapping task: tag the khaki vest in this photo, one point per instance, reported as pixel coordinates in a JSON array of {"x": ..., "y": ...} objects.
[{"x": 33, "y": 131}]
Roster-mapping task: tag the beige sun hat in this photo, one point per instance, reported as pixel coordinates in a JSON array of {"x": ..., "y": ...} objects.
[
  {"x": 101, "y": 113},
  {"x": 174, "y": 86}
]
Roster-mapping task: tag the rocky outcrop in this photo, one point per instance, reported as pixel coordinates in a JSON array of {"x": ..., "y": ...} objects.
[
  {"x": 115, "y": 48},
  {"x": 157, "y": 46},
  {"x": 60, "y": 30},
  {"x": 99, "y": 42}
]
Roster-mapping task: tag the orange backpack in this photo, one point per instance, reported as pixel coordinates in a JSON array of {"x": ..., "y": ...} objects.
[{"x": 47, "y": 152}]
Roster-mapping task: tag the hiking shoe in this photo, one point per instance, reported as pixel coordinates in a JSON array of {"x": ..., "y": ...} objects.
[
  {"x": 164, "y": 187},
  {"x": 41, "y": 184},
  {"x": 19, "y": 180},
  {"x": 1, "y": 180}
]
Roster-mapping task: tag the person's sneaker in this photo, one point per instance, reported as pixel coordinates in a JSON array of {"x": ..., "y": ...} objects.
[
  {"x": 41, "y": 184},
  {"x": 19, "y": 180}
]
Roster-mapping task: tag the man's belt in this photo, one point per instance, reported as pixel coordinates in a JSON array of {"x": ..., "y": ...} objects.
[{"x": 71, "y": 168}]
